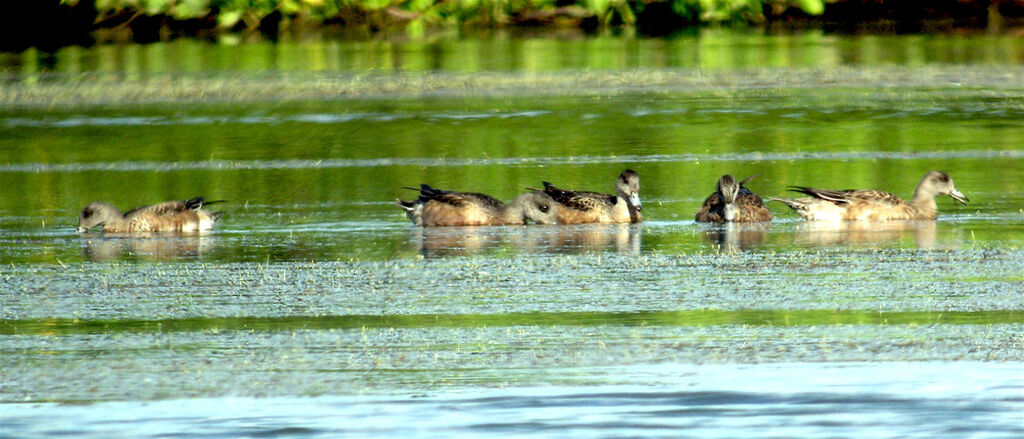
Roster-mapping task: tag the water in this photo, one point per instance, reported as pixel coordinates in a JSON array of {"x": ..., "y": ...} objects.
[
  {"x": 316, "y": 309},
  {"x": 844, "y": 400}
]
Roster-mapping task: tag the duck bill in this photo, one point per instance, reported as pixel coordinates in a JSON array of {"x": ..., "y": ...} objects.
[
  {"x": 82, "y": 229},
  {"x": 634, "y": 199},
  {"x": 959, "y": 197}
]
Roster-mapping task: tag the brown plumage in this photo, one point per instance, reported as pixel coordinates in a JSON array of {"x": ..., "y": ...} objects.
[
  {"x": 580, "y": 207},
  {"x": 874, "y": 205},
  {"x": 733, "y": 202},
  {"x": 436, "y": 207},
  {"x": 170, "y": 216}
]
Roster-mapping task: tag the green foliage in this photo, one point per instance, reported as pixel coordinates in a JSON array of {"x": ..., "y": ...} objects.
[
  {"x": 813, "y": 7},
  {"x": 418, "y": 15}
]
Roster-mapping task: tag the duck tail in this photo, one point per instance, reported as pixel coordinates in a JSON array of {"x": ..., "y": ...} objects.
[
  {"x": 787, "y": 201},
  {"x": 198, "y": 203},
  {"x": 408, "y": 206}
]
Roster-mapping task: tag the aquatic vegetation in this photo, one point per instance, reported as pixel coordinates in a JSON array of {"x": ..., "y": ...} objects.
[
  {"x": 316, "y": 289},
  {"x": 417, "y": 15}
]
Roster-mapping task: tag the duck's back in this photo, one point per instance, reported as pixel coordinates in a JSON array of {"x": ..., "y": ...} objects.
[
  {"x": 182, "y": 221},
  {"x": 579, "y": 200},
  {"x": 713, "y": 209},
  {"x": 749, "y": 208},
  {"x": 448, "y": 208},
  {"x": 580, "y": 207},
  {"x": 170, "y": 216}
]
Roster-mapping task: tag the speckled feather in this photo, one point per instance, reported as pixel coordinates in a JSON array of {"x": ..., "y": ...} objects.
[
  {"x": 751, "y": 208},
  {"x": 850, "y": 195},
  {"x": 579, "y": 200},
  {"x": 459, "y": 199}
]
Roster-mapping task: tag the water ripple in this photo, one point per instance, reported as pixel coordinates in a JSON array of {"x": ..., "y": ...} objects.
[
  {"x": 842, "y": 400},
  {"x": 317, "y": 118},
  {"x": 753, "y": 156},
  {"x": 339, "y": 118}
]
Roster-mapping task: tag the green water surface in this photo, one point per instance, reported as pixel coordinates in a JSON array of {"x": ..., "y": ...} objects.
[{"x": 315, "y": 283}]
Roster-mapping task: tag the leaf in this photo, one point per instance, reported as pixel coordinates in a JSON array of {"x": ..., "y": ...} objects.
[
  {"x": 469, "y": 5},
  {"x": 154, "y": 7},
  {"x": 812, "y": 7},
  {"x": 290, "y": 6},
  {"x": 416, "y": 28},
  {"x": 420, "y": 5},
  {"x": 373, "y": 5},
  {"x": 599, "y": 7},
  {"x": 186, "y": 9},
  {"x": 228, "y": 19}
]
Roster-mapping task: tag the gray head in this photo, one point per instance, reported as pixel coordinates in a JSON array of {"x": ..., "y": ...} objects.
[
  {"x": 535, "y": 206},
  {"x": 97, "y": 214},
  {"x": 939, "y": 183},
  {"x": 628, "y": 187},
  {"x": 729, "y": 189}
]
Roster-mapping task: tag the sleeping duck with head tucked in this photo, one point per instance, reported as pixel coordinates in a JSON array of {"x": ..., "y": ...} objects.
[
  {"x": 582, "y": 207},
  {"x": 436, "y": 207},
  {"x": 874, "y": 205},
  {"x": 171, "y": 216}
]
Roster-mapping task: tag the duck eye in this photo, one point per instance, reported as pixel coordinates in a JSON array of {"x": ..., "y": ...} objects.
[
  {"x": 544, "y": 208},
  {"x": 86, "y": 213}
]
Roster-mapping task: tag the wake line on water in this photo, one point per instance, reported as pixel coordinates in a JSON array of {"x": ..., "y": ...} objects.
[
  {"x": 331, "y": 118},
  {"x": 218, "y": 165},
  {"x": 318, "y": 118}
]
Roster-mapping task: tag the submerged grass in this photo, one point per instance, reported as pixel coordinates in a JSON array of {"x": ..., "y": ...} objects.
[
  {"x": 863, "y": 83},
  {"x": 837, "y": 287},
  {"x": 59, "y": 327}
]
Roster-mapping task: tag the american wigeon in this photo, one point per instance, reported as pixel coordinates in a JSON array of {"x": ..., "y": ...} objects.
[
  {"x": 436, "y": 207},
  {"x": 733, "y": 202},
  {"x": 581, "y": 207},
  {"x": 170, "y": 216},
  {"x": 874, "y": 205}
]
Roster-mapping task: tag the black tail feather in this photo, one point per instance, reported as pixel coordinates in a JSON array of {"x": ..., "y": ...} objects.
[
  {"x": 803, "y": 190},
  {"x": 747, "y": 180},
  {"x": 198, "y": 202}
]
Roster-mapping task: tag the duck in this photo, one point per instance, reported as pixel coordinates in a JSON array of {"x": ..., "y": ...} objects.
[
  {"x": 874, "y": 205},
  {"x": 436, "y": 207},
  {"x": 582, "y": 207},
  {"x": 733, "y": 202},
  {"x": 169, "y": 216}
]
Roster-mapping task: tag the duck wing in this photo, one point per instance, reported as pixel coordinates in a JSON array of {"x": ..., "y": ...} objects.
[
  {"x": 746, "y": 198},
  {"x": 711, "y": 210},
  {"x": 166, "y": 208},
  {"x": 850, "y": 195},
  {"x": 875, "y": 196},
  {"x": 459, "y": 199},
  {"x": 579, "y": 200}
]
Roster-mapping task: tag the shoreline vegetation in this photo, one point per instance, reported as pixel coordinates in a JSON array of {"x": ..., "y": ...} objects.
[{"x": 51, "y": 24}]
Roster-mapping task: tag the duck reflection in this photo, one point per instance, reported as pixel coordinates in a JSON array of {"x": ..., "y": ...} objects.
[
  {"x": 829, "y": 233},
  {"x": 735, "y": 237},
  {"x": 622, "y": 238},
  {"x": 462, "y": 241},
  {"x": 107, "y": 248},
  {"x": 454, "y": 241}
]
